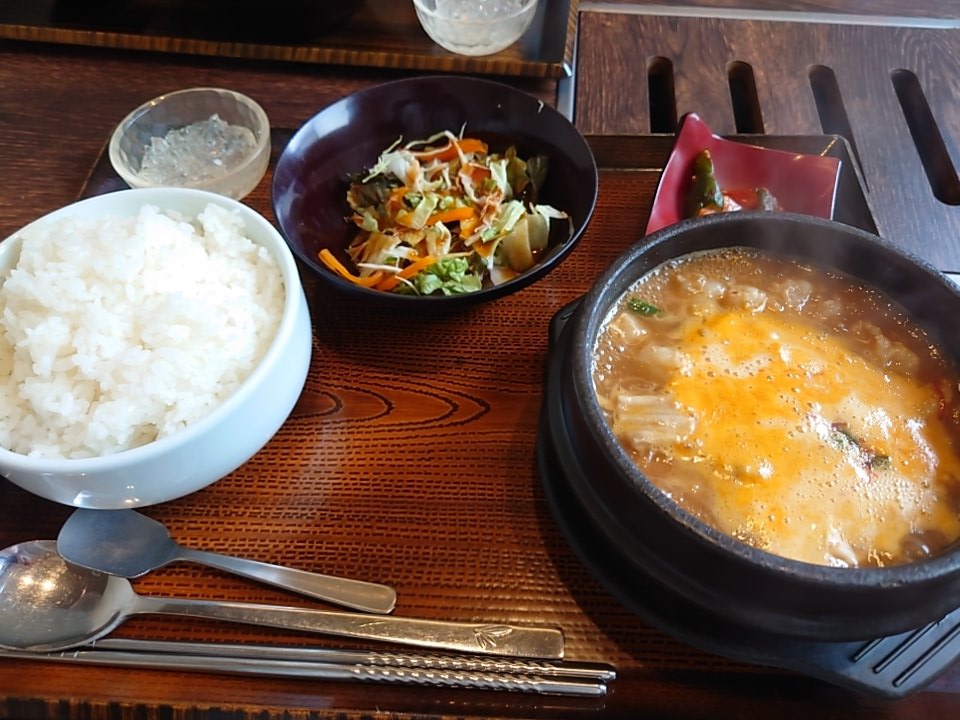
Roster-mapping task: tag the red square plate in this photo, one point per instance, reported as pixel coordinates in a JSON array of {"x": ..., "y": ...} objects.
[{"x": 804, "y": 184}]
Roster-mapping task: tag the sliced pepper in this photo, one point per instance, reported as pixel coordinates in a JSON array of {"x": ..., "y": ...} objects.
[
  {"x": 705, "y": 192},
  {"x": 391, "y": 281},
  {"x": 340, "y": 269},
  {"x": 456, "y": 214},
  {"x": 449, "y": 151}
]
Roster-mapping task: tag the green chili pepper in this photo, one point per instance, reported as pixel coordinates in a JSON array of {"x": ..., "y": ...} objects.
[
  {"x": 842, "y": 435},
  {"x": 844, "y": 440},
  {"x": 705, "y": 192}
]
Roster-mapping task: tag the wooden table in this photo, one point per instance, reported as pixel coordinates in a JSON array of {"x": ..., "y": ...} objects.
[
  {"x": 883, "y": 82},
  {"x": 414, "y": 465}
]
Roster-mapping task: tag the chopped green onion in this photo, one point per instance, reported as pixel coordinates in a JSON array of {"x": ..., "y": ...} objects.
[
  {"x": 643, "y": 308},
  {"x": 843, "y": 436}
]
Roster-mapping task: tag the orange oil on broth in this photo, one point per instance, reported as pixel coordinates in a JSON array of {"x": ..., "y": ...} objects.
[{"x": 803, "y": 413}]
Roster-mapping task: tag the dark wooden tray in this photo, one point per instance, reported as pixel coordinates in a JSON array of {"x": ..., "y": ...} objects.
[
  {"x": 644, "y": 154},
  {"x": 410, "y": 460},
  {"x": 852, "y": 206},
  {"x": 381, "y": 33}
]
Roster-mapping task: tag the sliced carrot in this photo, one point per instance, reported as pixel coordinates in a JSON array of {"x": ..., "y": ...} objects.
[
  {"x": 452, "y": 215},
  {"x": 477, "y": 173},
  {"x": 449, "y": 151},
  {"x": 395, "y": 199},
  {"x": 391, "y": 281},
  {"x": 338, "y": 267}
]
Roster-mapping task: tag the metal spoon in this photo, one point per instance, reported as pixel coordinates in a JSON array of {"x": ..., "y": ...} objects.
[
  {"x": 48, "y": 604},
  {"x": 128, "y": 544}
]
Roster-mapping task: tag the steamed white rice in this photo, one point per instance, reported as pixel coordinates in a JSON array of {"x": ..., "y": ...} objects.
[{"x": 118, "y": 331}]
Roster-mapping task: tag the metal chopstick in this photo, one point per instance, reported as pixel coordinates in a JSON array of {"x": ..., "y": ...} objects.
[
  {"x": 321, "y": 670},
  {"x": 432, "y": 661}
]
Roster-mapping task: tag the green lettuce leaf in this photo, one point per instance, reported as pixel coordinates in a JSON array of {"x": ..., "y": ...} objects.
[{"x": 452, "y": 276}]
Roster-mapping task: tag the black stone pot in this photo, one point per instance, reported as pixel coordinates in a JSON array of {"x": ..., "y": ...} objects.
[{"x": 726, "y": 578}]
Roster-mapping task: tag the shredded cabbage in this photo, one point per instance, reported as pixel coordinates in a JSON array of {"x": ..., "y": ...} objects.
[{"x": 443, "y": 215}]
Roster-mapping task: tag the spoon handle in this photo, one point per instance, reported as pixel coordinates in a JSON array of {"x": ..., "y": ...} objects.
[
  {"x": 356, "y": 594},
  {"x": 483, "y": 638}
]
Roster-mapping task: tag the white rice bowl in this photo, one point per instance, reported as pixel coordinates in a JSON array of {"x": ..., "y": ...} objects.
[{"x": 151, "y": 341}]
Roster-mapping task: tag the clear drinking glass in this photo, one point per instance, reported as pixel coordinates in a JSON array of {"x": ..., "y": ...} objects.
[{"x": 475, "y": 27}]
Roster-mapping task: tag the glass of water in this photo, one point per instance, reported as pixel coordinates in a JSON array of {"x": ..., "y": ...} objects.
[{"x": 475, "y": 27}]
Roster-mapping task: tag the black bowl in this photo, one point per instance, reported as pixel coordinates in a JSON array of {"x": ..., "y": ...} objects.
[
  {"x": 722, "y": 576},
  {"x": 310, "y": 179}
]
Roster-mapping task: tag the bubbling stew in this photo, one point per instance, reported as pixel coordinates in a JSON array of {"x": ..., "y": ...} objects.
[{"x": 789, "y": 406}]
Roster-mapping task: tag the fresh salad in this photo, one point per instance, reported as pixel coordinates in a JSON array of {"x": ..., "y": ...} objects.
[{"x": 446, "y": 216}]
